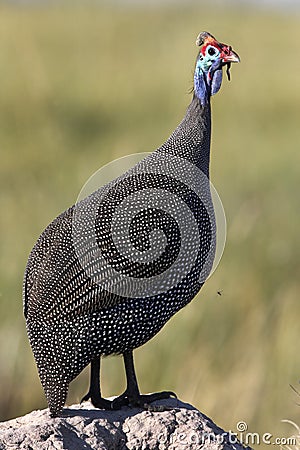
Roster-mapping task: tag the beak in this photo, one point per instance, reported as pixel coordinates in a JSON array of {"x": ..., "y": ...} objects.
[{"x": 230, "y": 57}]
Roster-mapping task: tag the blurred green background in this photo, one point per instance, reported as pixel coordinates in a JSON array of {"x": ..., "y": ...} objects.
[{"x": 81, "y": 85}]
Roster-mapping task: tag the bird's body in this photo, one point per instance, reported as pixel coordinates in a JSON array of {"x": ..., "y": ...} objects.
[{"x": 84, "y": 298}]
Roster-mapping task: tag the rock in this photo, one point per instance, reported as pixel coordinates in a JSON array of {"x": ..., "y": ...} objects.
[{"x": 82, "y": 427}]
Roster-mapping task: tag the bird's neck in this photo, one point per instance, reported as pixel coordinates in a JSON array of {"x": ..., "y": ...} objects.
[{"x": 191, "y": 139}]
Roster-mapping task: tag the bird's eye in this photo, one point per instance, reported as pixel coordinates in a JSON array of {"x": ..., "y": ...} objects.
[{"x": 211, "y": 51}]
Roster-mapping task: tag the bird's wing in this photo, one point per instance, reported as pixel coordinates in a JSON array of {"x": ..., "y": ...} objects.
[{"x": 55, "y": 283}]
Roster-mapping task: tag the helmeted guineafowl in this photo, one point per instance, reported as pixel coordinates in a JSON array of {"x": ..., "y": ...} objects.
[{"x": 108, "y": 273}]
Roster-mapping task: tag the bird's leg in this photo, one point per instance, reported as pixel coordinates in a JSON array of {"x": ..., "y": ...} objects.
[
  {"x": 94, "y": 392},
  {"x": 132, "y": 395}
]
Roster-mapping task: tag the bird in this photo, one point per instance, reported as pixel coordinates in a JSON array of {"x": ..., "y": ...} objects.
[{"x": 109, "y": 272}]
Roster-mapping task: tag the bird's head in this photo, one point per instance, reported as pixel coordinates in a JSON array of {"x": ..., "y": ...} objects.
[{"x": 212, "y": 57}]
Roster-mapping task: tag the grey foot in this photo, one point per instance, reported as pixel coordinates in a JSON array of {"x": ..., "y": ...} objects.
[{"x": 142, "y": 401}]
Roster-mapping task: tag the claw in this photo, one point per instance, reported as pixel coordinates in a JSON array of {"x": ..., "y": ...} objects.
[
  {"x": 97, "y": 401},
  {"x": 85, "y": 398}
]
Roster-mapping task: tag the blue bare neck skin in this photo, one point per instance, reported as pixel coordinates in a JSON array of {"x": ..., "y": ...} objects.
[
  {"x": 207, "y": 80},
  {"x": 191, "y": 139}
]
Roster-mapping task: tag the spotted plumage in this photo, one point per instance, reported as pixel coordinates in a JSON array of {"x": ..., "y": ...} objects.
[{"x": 107, "y": 274}]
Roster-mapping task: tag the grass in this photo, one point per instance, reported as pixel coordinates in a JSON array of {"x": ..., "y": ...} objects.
[{"x": 80, "y": 86}]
